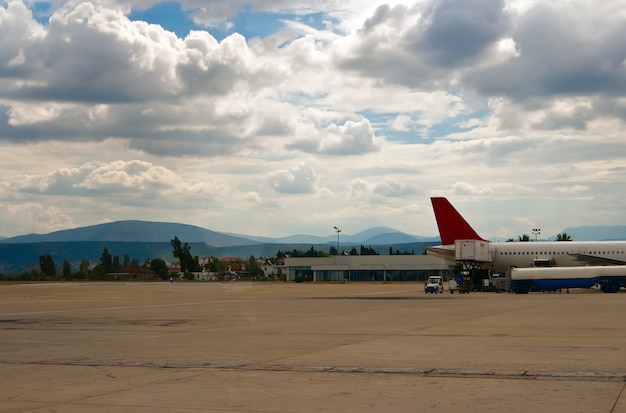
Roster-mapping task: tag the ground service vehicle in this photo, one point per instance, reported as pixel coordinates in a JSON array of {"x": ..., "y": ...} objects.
[
  {"x": 434, "y": 284},
  {"x": 462, "y": 282}
]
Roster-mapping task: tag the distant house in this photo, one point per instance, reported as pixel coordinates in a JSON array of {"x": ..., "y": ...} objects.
[
  {"x": 133, "y": 274},
  {"x": 205, "y": 276},
  {"x": 174, "y": 268},
  {"x": 273, "y": 271}
]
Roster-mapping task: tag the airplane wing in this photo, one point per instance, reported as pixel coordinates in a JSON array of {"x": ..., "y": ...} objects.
[
  {"x": 447, "y": 252},
  {"x": 593, "y": 260}
]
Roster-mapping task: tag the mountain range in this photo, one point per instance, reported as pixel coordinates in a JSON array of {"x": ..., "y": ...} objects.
[
  {"x": 145, "y": 231},
  {"x": 148, "y": 240}
]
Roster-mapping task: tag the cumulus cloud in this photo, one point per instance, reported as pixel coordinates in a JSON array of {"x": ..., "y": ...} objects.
[
  {"x": 454, "y": 33},
  {"x": 298, "y": 179},
  {"x": 28, "y": 217},
  {"x": 393, "y": 188},
  {"x": 351, "y": 138},
  {"x": 428, "y": 42},
  {"x": 126, "y": 182},
  {"x": 91, "y": 73},
  {"x": 565, "y": 49},
  {"x": 358, "y": 187}
]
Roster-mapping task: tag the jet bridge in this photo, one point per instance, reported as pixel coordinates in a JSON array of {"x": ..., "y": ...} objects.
[
  {"x": 472, "y": 250},
  {"x": 473, "y": 254}
]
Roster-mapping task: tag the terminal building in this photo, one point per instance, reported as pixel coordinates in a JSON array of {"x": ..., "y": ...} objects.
[{"x": 373, "y": 268}]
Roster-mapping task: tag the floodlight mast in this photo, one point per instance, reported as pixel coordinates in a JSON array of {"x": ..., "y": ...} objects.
[
  {"x": 337, "y": 230},
  {"x": 536, "y": 231}
]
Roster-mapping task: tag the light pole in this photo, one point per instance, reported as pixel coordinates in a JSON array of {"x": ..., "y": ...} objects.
[
  {"x": 536, "y": 231},
  {"x": 337, "y": 230}
]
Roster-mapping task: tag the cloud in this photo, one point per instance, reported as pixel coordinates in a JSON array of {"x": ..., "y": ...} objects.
[
  {"x": 298, "y": 179},
  {"x": 456, "y": 33},
  {"x": 574, "y": 189},
  {"x": 428, "y": 42},
  {"x": 28, "y": 217},
  {"x": 351, "y": 138},
  {"x": 91, "y": 74},
  {"x": 464, "y": 188},
  {"x": 358, "y": 188},
  {"x": 393, "y": 188},
  {"x": 130, "y": 183},
  {"x": 564, "y": 49}
]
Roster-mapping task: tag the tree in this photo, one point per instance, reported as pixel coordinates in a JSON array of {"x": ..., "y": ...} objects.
[
  {"x": 183, "y": 253},
  {"x": 524, "y": 238},
  {"x": 253, "y": 267},
  {"x": 159, "y": 267},
  {"x": 84, "y": 268},
  {"x": 179, "y": 252},
  {"x": 116, "y": 263},
  {"x": 67, "y": 269},
  {"x": 46, "y": 264},
  {"x": 368, "y": 250},
  {"x": 106, "y": 260},
  {"x": 563, "y": 237},
  {"x": 212, "y": 264}
]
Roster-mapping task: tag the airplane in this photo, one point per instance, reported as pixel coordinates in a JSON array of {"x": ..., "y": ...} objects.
[{"x": 506, "y": 255}]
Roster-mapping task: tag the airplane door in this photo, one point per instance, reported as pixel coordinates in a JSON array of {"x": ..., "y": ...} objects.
[{"x": 583, "y": 250}]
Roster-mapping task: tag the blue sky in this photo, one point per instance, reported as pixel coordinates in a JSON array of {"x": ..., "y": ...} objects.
[
  {"x": 286, "y": 117},
  {"x": 171, "y": 16},
  {"x": 168, "y": 15}
]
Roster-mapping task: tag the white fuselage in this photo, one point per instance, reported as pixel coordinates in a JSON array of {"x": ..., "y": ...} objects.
[
  {"x": 504, "y": 255},
  {"x": 559, "y": 254}
]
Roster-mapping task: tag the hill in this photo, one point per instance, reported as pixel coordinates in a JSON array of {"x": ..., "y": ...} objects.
[
  {"x": 134, "y": 231},
  {"x": 145, "y": 231},
  {"x": 371, "y": 236},
  {"x": 148, "y": 240}
]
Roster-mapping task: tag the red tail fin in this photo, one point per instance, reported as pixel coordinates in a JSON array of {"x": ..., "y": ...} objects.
[{"x": 451, "y": 224}]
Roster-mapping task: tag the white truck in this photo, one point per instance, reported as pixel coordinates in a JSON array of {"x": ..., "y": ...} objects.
[{"x": 434, "y": 284}]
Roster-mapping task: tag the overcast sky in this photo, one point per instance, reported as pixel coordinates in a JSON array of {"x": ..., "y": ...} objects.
[{"x": 281, "y": 117}]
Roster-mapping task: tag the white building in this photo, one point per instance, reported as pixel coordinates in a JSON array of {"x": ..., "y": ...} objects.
[{"x": 353, "y": 268}]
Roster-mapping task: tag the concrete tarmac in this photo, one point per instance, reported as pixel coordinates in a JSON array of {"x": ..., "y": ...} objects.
[{"x": 275, "y": 348}]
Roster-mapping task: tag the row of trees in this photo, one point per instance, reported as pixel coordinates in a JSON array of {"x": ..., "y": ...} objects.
[
  {"x": 526, "y": 238},
  {"x": 111, "y": 264},
  {"x": 108, "y": 264},
  {"x": 312, "y": 252}
]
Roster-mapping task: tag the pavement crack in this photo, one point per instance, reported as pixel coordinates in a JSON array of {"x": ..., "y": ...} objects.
[{"x": 430, "y": 372}]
